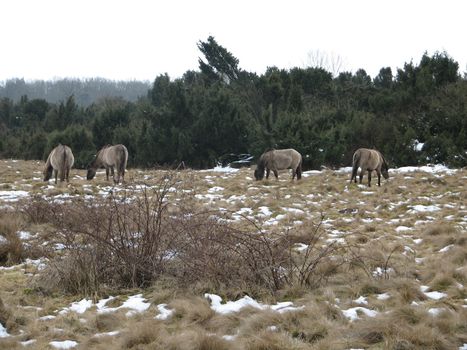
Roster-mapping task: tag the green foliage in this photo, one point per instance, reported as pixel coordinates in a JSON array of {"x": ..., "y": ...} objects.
[{"x": 221, "y": 64}]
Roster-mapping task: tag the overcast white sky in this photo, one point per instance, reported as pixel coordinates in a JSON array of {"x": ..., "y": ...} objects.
[{"x": 140, "y": 39}]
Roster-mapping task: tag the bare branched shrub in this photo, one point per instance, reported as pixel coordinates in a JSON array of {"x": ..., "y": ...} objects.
[
  {"x": 136, "y": 236},
  {"x": 317, "y": 262},
  {"x": 124, "y": 240},
  {"x": 38, "y": 210},
  {"x": 5, "y": 314},
  {"x": 214, "y": 250}
]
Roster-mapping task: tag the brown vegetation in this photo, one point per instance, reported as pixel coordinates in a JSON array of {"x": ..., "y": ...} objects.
[{"x": 323, "y": 245}]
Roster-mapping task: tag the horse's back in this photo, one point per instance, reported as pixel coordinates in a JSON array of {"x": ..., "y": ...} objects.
[
  {"x": 63, "y": 153},
  {"x": 286, "y": 158},
  {"x": 115, "y": 155},
  {"x": 367, "y": 158}
]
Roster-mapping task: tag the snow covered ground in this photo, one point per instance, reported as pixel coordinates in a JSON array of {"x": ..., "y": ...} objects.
[{"x": 410, "y": 225}]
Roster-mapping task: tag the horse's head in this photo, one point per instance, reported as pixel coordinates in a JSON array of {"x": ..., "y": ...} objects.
[
  {"x": 91, "y": 173},
  {"x": 259, "y": 173},
  {"x": 48, "y": 173},
  {"x": 385, "y": 170}
]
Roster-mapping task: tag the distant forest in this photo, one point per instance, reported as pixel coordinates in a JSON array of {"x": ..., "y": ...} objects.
[
  {"x": 84, "y": 91},
  {"x": 415, "y": 115}
]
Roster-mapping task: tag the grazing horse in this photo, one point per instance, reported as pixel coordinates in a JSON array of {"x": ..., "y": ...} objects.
[
  {"x": 110, "y": 157},
  {"x": 369, "y": 160},
  {"x": 279, "y": 159},
  {"x": 59, "y": 162}
]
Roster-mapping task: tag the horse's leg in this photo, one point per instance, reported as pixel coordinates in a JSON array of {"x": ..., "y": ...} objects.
[
  {"x": 369, "y": 178},
  {"x": 55, "y": 175},
  {"x": 112, "y": 172},
  {"x": 361, "y": 176},
  {"x": 107, "y": 173},
  {"x": 275, "y": 174},
  {"x": 67, "y": 175},
  {"x": 267, "y": 173},
  {"x": 293, "y": 174},
  {"x": 378, "y": 172}
]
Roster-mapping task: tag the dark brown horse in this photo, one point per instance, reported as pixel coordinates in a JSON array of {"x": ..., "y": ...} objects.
[
  {"x": 59, "y": 161},
  {"x": 369, "y": 160},
  {"x": 110, "y": 158},
  {"x": 279, "y": 159}
]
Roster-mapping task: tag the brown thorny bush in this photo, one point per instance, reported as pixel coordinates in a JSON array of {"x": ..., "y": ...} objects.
[{"x": 137, "y": 235}]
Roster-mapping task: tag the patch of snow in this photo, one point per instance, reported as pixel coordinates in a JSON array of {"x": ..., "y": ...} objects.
[
  {"x": 361, "y": 300},
  {"x": 164, "y": 313},
  {"x": 234, "y": 198},
  {"x": 107, "y": 334},
  {"x": 271, "y": 221},
  {"x": 3, "y": 332},
  {"x": 380, "y": 271},
  {"x": 347, "y": 169},
  {"x": 435, "y": 311},
  {"x": 301, "y": 247},
  {"x": 294, "y": 210},
  {"x": 65, "y": 344},
  {"x": 403, "y": 228},
  {"x": 28, "y": 342},
  {"x": 23, "y": 235},
  {"x": 208, "y": 196},
  {"x": 79, "y": 307},
  {"x": 229, "y": 337},
  {"x": 423, "y": 208},
  {"x": 38, "y": 263},
  {"x": 432, "y": 295},
  {"x": 46, "y": 318},
  {"x": 264, "y": 211},
  {"x": 215, "y": 189},
  {"x": 447, "y": 248},
  {"x": 136, "y": 303},
  {"x": 235, "y": 306},
  {"x": 432, "y": 169},
  {"x": 220, "y": 169},
  {"x": 383, "y": 296},
  {"x": 418, "y": 240},
  {"x": 353, "y": 315},
  {"x": 13, "y": 196}
]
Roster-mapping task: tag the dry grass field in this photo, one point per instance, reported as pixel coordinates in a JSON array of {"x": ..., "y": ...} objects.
[{"x": 215, "y": 260}]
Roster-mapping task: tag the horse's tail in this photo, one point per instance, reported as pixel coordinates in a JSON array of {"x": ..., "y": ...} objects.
[
  {"x": 355, "y": 164},
  {"x": 123, "y": 161},
  {"x": 299, "y": 169},
  {"x": 48, "y": 169},
  {"x": 63, "y": 166}
]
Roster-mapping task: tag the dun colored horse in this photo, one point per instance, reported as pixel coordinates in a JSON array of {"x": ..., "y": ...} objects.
[
  {"x": 59, "y": 162},
  {"x": 278, "y": 160},
  {"x": 110, "y": 157},
  {"x": 369, "y": 160}
]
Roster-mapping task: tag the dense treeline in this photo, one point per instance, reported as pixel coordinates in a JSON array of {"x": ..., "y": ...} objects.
[{"x": 222, "y": 109}]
